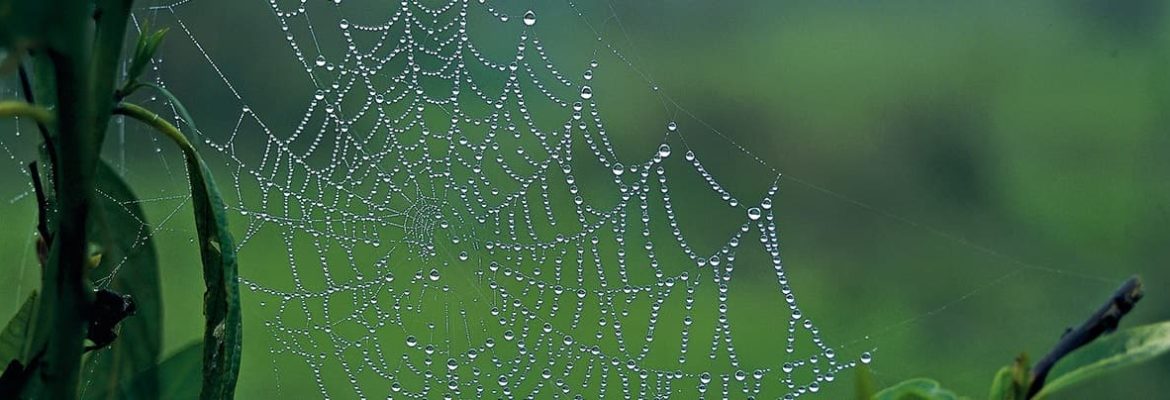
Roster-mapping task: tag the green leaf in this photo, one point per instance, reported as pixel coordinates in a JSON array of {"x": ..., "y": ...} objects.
[
  {"x": 916, "y": 389},
  {"x": 1012, "y": 382},
  {"x": 1117, "y": 350},
  {"x": 1001, "y": 386},
  {"x": 144, "y": 50},
  {"x": 172, "y": 379},
  {"x": 14, "y": 338},
  {"x": 222, "y": 335},
  {"x": 129, "y": 265}
]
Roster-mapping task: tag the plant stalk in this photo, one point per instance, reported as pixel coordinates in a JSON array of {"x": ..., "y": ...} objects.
[
  {"x": 1103, "y": 321},
  {"x": 67, "y": 296},
  {"x": 25, "y": 110},
  {"x": 158, "y": 123},
  {"x": 112, "y": 18}
]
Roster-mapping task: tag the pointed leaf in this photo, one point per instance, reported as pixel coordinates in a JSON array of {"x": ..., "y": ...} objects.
[
  {"x": 1011, "y": 382},
  {"x": 14, "y": 338},
  {"x": 1114, "y": 351},
  {"x": 221, "y": 302},
  {"x": 1001, "y": 386},
  {"x": 129, "y": 265},
  {"x": 144, "y": 50}
]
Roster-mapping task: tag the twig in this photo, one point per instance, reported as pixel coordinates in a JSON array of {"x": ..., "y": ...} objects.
[
  {"x": 26, "y": 88},
  {"x": 1103, "y": 321},
  {"x": 46, "y": 238}
]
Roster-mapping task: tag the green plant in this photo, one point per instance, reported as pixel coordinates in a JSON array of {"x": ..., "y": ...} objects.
[
  {"x": 1077, "y": 357},
  {"x": 67, "y": 55}
]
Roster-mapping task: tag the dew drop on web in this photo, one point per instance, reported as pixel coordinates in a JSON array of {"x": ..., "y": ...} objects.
[{"x": 664, "y": 150}]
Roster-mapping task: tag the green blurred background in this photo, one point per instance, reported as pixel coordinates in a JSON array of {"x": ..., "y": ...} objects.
[{"x": 963, "y": 180}]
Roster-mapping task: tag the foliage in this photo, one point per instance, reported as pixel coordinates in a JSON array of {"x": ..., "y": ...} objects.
[
  {"x": 93, "y": 237},
  {"x": 1117, "y": 350},
  {"x": 24, "y": 37},
  {"x": 126, "y": 246},
  {"x": 1121, "y": 349}
]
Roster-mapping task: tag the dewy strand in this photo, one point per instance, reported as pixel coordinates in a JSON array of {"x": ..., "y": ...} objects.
[{"x": 422, "y": 200}]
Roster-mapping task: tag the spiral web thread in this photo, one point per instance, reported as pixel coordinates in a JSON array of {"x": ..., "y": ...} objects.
[{"x": 441, "y": 245}]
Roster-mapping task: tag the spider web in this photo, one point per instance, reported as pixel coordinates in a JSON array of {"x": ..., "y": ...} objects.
[{"x": 459, "y": 223}]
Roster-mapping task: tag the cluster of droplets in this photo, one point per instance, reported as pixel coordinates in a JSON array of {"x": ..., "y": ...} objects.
[{"x": 476, "y": 197}]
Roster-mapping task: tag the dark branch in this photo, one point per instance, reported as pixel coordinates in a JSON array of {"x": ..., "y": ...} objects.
[
  {"x": 42, "y": 202},
  {"x": 26, "y": 89},
  {"x": 1103, "y": 321}
]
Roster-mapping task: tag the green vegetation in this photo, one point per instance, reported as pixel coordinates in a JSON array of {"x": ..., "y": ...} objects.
[
  {"x": 1077, "y": 357},
  {"x": 1052, "y": 151},
  {"x": 67, "y": 54}
]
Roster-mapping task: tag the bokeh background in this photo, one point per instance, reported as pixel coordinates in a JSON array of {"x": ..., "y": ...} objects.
[{"x": 963, "y": 180}]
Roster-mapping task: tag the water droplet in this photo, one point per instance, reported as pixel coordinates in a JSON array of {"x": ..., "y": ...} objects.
[
  {"x": 618, "y": 169},
  {"x": 411, "y": 341},
  {"x": 754, "y": 213},
  {"x": 320, "y": 61},
  {"x": 866, "y": 358},
  {"x": 664, "y": 150},
  {"x": 529, "y": 18},
  {"x": 586, "y": 92},
  {"x": 672, "y": 126},
  {"x": 344, "y": 24},
  {"x": 434, "y": 274}
]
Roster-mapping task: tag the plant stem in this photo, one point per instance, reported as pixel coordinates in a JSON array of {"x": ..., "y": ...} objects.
[
  {"x": 1103, "y": 321},
  {"x": 158, "y": 123},
  {"x": 22, "y": 109},
  {"x": 66, "y": 289},
  {"x": 110, "y": 33}
]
